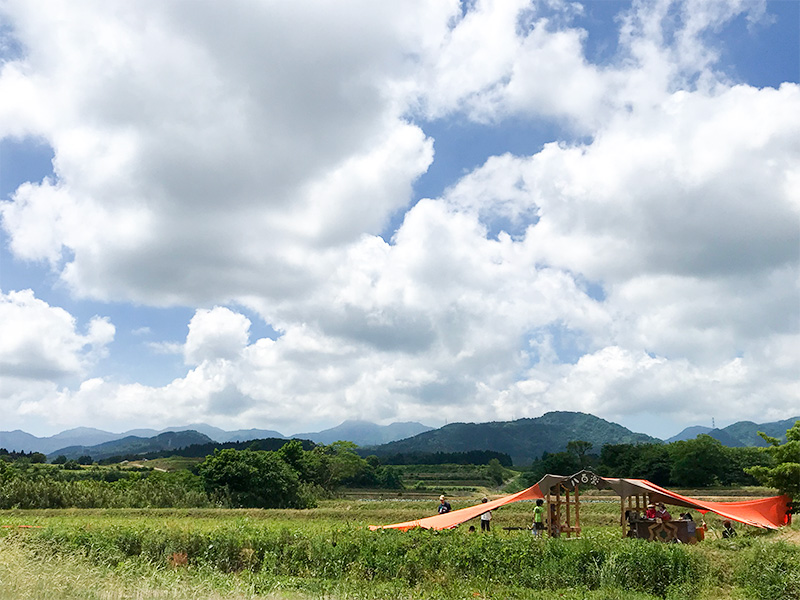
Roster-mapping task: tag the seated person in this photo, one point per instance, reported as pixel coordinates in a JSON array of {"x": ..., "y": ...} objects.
[
  {"x": 661, "y": 512},
  {"x": 691, "y": 528},
  {"x": 727, "y": 530},
  {"x": 650, "y": 513}
]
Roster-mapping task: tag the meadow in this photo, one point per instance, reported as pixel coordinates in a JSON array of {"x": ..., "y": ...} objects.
[{"x": 328, "y": 552}]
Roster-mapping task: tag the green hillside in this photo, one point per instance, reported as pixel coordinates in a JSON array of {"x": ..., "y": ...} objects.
[
  {"x": 746, "y": 432},
  {"x": 132, "y": 445},
  {"x": 524, "y": 439}
]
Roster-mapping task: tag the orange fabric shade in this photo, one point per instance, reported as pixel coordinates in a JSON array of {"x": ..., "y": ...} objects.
[
  {"x": 456, "y": 517},
  {"x": 769, "y": 513}
]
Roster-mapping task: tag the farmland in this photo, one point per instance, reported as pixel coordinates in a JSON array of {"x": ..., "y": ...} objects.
[{"x": 328, "y": 552}]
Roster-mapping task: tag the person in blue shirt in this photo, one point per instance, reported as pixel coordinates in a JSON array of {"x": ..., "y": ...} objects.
[{"x": 444, "y": 505}]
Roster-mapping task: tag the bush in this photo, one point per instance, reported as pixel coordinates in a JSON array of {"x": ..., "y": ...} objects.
[
  {"x": 771, "y": 571},
  {"x": 252, "y": 479}
]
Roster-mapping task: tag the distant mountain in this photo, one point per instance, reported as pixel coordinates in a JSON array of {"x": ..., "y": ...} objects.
[
  {"x": 524, "y": 439},
  {"x": 25, "y": 442},
  {"x": 725, "y": 438},
  {"x": 741, "y": 433},
  {"x": 132, "y": 444},
  {"x": 689, "y": 433},
  {"x": 746, "y": 432},
  {"x": 243, "y": 435},
  {"x": 20, "y": 441},
  {"x": 365, "y": 433}
]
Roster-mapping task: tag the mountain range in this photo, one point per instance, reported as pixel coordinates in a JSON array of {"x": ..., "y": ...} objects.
[
  {"x": 70, "y": 441},
  {"x": 524, "y": 439},
  {"x": 742, "y": 433}
]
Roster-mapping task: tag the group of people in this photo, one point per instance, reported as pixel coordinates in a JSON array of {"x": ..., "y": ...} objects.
[
  {"x": 658, "y": 511},
  {"x": 653, "y": 512},
  {"x": 486, "y": 517}
]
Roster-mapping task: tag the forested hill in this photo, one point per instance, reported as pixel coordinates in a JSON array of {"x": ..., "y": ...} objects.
[
  {"x": 170, "y": 440},
  {"x": 741, "y": 433},
  {"x": 524, "y": 439}
]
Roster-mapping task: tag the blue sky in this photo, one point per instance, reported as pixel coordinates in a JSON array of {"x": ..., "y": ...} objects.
[{"x": 287, "y": 216}]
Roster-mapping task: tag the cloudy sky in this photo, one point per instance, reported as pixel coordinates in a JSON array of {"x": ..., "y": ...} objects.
[{"x": 285, "y": 214}]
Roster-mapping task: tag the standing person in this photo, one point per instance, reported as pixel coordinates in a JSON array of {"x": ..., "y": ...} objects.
[
  {"x": 538, "y": 518},
  {"x": 486, "y": 517},
  {"x": 444, "y": 505}
]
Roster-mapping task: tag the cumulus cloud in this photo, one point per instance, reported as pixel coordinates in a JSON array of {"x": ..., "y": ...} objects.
[
  {"x": 216, "y": 334},
  {"x": 253, "y": 156},
  {"x": 40, "y": 340}
]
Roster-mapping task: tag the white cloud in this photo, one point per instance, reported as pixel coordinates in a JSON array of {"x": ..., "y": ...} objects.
[
  {"x": 43, "y": 341},
  {"x": 251, "y": 155},
  {"x": 215, "y": 334}
]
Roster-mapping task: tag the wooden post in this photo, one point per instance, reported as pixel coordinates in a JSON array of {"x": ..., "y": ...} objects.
[
  {"x": 568, "y": 520},
  {"x": 577, "y": 512},
  {"x": 549, "y": 519},
  {"x": 622, "y": 515}
]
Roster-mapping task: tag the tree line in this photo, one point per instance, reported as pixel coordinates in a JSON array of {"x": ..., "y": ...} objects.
[
  {"x": 696, "y": 463},
  {"x": 290, "y": 477}
]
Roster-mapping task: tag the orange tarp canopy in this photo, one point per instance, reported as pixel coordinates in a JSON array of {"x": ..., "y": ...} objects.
[
  {"x": 456, "y": 517},
  {"x": 769, "y": 513}
]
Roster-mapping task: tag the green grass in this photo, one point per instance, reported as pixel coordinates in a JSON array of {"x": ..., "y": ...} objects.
[{"x": 328, "y": 552}]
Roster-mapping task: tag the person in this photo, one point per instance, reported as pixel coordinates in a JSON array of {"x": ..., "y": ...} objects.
[
  {"x": 444, "y": 505},
  {"x": 538, "y": 518},
  {"x": 700, "y": 533},
  {"x": 471, "y": 529},
  {"x": 485, "y": 517},
  {"x": 661, "y": 512},
  {"x": 691, "y": 527},
  {"x": 650, "y": 513},
  {"x": 727, "y": 530}
]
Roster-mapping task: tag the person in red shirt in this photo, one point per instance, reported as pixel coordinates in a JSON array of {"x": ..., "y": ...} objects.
[
  {"x": 650, "y": 513},
  {"x": 661, "y": 512}
]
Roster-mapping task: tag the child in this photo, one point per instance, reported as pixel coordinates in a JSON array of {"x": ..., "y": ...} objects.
[
  {"x": 650, "y": 513},
  {"x": 538, "y": 518},
  {"x": 727, "y": 530}
]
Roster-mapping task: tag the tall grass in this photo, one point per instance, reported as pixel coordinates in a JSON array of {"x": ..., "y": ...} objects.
[
  {"x": 386, "y": 557},
  {"x": 327, "y": 552},
  {"x": 153, "y": 491}
]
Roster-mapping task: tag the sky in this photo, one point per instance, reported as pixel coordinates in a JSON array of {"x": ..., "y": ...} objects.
[{"x": 282, "y": 215}]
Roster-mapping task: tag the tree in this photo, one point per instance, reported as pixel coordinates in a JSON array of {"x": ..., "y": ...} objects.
[
  {"x": 59, "y": 460},
  {"x": 785, "y": 475},
  {"x": 579, "y": 448},
  {"x": 85, "y": 460},
  {"x": 697, "y": 463},
  {"x": 560, "y": 463},
  {"x": 253, "y": 479},
  {"x": 495, "y": 472}
]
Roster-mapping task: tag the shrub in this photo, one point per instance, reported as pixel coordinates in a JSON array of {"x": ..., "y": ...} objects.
[{"x": 771, "y": 571}]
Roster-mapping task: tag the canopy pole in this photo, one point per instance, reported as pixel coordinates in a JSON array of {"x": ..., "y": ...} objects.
[{"x": 622, "y": 514}]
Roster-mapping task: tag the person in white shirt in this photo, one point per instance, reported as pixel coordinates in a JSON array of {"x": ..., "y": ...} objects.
[{"x": 486, "y": 517}]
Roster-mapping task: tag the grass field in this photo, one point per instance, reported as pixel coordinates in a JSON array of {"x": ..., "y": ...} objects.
[{"x": 327, "y": 552}]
